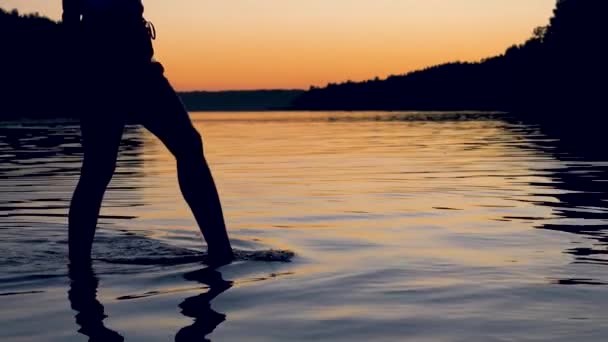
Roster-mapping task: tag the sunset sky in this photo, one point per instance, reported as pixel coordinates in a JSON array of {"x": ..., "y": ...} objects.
[{"x": 252, "y": 44}]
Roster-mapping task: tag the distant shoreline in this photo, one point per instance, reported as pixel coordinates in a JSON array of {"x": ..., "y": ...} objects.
[
  {"x": 240, "y": 100},
  {"x": 194, "y": 101}
]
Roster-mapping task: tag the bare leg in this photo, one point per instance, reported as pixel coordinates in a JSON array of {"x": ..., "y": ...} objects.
[
  {"x": 101, "y": 140},
  {"x": 168, "y": 120}
]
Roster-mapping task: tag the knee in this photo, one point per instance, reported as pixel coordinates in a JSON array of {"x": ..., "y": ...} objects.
[
  {"x": 197, "y": 143},
  {"x": 190, "y": 147},
  {"x": 97, "y": 176}
]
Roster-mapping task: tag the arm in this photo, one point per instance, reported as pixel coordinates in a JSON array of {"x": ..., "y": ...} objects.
[{"x": 71, "y": 12}]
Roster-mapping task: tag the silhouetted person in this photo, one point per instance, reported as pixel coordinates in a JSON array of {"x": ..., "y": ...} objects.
[
  {"x": 117, "y": 81},
  {"x": 199, "y": 307},
  {"x": 90, "y": 312}
]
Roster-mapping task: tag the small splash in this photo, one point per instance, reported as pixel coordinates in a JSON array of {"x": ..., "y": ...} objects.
[
  {"x": 271, "y": 255},
  {"x": 239, "y": 255},
  {"x": 41, "y": 262}
]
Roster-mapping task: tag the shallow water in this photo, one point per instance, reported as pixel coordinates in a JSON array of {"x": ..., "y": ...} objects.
[{"x": 405, "y": 226}]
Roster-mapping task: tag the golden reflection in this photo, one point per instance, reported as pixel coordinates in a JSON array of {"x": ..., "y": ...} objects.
[{"x": 430, "y": 190}]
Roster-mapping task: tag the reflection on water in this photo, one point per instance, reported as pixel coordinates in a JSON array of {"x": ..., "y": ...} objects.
[
  {"x": 90, "y": 313},
  {"x": 580, "y": 205},
  {"x": 436, "y": 227},
  {"x": 40, "y": 162},
  {"x": 199, "y": 307}
]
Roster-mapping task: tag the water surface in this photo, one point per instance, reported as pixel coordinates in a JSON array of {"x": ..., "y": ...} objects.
[{"x": 406, "y": 226}]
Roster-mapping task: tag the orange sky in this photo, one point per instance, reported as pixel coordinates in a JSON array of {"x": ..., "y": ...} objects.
[{"x": 252, "y": 44}]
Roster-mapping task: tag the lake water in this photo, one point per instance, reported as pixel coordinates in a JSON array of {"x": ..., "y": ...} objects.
[{"x": 405, "y": 227}]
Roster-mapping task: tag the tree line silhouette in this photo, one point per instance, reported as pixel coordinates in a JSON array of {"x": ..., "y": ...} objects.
[
  {"x": 561, "y": 69},
  {"x": 32, "y": 66}
]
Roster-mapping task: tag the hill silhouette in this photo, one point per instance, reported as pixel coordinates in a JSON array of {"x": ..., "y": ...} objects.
[
  {"x": 560, "y": 69},
  {"x": 32, "y": 67},
  {"x": 559, "y": 72},
  {"x": 35, "y": 76}
]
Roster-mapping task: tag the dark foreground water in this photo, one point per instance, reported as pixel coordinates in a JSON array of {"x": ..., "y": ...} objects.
[{"x": 405, "y": 227}]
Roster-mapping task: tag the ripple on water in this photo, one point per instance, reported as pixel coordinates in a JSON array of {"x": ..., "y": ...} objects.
[{"x": 419, "y": 226}]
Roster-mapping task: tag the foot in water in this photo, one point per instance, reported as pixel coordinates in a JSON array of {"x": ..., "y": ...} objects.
[{"x": 220, "y": 258}]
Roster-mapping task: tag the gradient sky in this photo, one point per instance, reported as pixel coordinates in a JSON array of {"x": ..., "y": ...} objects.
[{"x": 252, "y": 44}]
